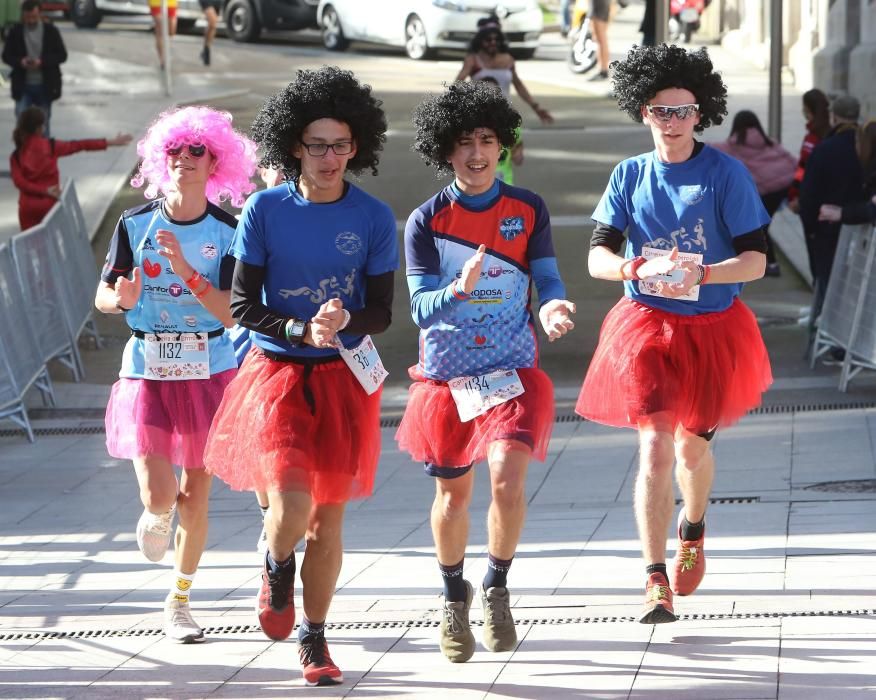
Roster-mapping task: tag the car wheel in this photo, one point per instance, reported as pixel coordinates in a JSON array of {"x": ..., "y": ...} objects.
[
  {"x": 582, "y": 49},
  {"x": 241, "y": 21},
  {"x": 416, "y": 43},
  {"x": 85, "y": 14},
  {"x": 332, "y": 33}
]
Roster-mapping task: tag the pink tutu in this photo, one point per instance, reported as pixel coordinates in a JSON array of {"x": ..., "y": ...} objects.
[
  {"x": 147, "y": 417},
  {"x": 663, "y": 370},
  {"x": 285, "y": 426},
  {"x": 431, "y": 431}
]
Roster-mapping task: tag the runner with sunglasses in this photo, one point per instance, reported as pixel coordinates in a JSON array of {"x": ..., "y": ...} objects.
[
  {"x": 168, "y": 270},
  {"x": 680, "y": 355},
  {"x": 316, "y": 257}
]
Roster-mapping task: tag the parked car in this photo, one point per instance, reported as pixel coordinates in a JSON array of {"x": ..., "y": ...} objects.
[
  {"x": 423, "y": 26},
  {"x": 244, "y": 19}
]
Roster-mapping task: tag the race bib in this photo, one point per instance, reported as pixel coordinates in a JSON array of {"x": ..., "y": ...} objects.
[
  {"x": 172, "y": 357},
  {"x": 649, "y": 286},
  {"x": 474, "y": 396},
  {"x": 365, "y": 364}
]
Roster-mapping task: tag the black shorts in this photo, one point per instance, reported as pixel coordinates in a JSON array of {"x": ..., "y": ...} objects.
[
  {"x": 215, "y": 4},
  {"x": 600, "y": 9}
]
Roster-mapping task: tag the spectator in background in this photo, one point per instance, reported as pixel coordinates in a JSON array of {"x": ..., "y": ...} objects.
[
  {"x": 771, "y": 166},
  {"x": 833, "y": 176},
  {"x": 863, "y": 211},
  {"x": 34, "y": 164},
  {"x": 155, "y": 11},
  {"x": 600, "y": 13},
  {"x": 211, "y": 9},
  {"x": 35, "y": 51},
  {"x": 566, "y": 17},
  {"x": 648, "y": 27}
]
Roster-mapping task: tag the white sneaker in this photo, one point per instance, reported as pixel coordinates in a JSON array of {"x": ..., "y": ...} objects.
[
  {"x": 262, "y": 544},
  {"x": 178, "y": 623},
  {"x": 153, "y": 533}
]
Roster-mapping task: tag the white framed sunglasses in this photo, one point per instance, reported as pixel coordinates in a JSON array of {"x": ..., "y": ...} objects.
[{"x": 664, "y": 113}]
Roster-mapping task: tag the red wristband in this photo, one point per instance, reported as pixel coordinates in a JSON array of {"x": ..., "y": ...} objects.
[
  {"x": 194, "y": 280},
  {"x": 457, "y": 292},
  {"x": 707, "y": 270},
  {"x": 636, "y": 263},
  {"x": 207, "y": 288}
]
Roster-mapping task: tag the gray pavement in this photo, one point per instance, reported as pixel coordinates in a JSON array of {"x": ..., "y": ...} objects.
[{"x": 786, "y": 609}]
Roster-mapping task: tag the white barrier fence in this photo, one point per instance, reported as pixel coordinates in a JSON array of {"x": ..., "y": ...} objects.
[
  {"x": 47, "y": 282},
  {"x": 847, "y": 318}
]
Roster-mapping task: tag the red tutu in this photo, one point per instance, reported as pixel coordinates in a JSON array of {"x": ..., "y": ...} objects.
[
  {"x": 146, "y": 418},
  {"x": 431, "y": 431},
  {"x": 284, "y": 426},
  {"x": 663, "y": 370}
]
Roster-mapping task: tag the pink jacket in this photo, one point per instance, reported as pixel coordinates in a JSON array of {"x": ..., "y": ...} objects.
[{"x": 772, "y": 167}]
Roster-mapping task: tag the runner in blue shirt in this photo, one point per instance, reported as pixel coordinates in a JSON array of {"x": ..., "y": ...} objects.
[
  {"x": 680, "y": 355},
  {"x": 168, "y": 270},
  {"x": 473, "y": 252},
  {"x": 316, "y": 258}
]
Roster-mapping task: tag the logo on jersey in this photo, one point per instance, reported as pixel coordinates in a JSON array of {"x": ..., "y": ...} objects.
[
  {"x": 691, "y": 194},
  {"x": 164, "y": 316},
  {"x": 510, "y": 227},
  {"x": 480, "y": 339},
  {"x": 191, "y": 321},
  {"x": 209, "y": 251},
  {"x": 348, "y": 243},
  {"x": 175, "y": 289},
  {"x": 150, "y": 268},
  {"x": 147, "y": 244}
]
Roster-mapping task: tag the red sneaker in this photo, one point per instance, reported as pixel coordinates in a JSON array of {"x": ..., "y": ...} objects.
[
  {"x": 689, "y": 565},
  {"x": 317, "y": 664},
  {"x": 275, "y": 605},
  {"x": 658, "y": 601}
]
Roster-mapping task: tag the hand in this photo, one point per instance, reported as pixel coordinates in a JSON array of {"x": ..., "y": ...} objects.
[
  {"x": 544, "y": 116},
  {"x": 54, "y": 191},
  {"x": 471, "y": 271},
  {"x": 320, "y": 335},
  {"x": 119, "y": 139},
  {"x": 555, "y": 317},
  {"x": 128, "y": 290},
  {"x": 331, "y": 314},
  {"x": 794, "y": 205},
  {"x": 679, "y": 289},
  {"x": 661, "y": 265},
  {"x": 172, "y": 250},
  {"x": 830, "y": 212}
]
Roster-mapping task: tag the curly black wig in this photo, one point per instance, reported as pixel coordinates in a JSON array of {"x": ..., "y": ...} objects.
[
  {"x": 649, "y": 69},
  {"x": 327, "y": 93},
  {"x": 463, "y": 107}
]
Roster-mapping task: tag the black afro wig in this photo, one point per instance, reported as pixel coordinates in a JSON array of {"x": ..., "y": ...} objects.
[
  {"x": 649, "y": 69},
  {"x": 463, "y": 107},
  {"x": 327, "y": 93}
]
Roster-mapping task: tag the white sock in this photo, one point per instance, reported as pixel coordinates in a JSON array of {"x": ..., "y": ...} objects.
[{"x": 181, "y": 586}]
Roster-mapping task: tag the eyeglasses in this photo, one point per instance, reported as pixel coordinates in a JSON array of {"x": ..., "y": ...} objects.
[
  {"x": 195, "y": 150},
  {"x": 341, "y": 148},
  {"x": 664, "y": 113}
]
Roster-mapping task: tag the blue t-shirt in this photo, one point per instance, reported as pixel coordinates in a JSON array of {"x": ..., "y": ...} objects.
[
  {"x": 166, "y": 304},
  {"x": 699, "y": 206},
  {"x": 314, "y": 252},
  {"x": 493, "y": 329}
]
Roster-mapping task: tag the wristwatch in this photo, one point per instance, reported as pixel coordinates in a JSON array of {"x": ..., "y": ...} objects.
[{"x": 296, "y": 329}]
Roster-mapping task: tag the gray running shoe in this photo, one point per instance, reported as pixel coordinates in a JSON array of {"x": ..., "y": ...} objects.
[
  {"x": 456, "y": 640},
  {"x": 178, "y": 623},
  {"x": 153, "y": 533},
  {"x": 499, "y": 631}
]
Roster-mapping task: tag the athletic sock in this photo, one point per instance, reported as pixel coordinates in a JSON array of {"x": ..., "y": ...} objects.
[
  {"x": 454, "y": 584},
  {"x": 497, "y": 572}
]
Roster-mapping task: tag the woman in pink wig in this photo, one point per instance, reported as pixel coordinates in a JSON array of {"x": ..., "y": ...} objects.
[{"x": 169, "y": 272}]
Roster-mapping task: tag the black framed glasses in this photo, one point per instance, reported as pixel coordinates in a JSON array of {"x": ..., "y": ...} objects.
[
  {"x": 664, "y": 113},
  {"x": 341, "y": 148},
  {"x": 196, "y": 150}
]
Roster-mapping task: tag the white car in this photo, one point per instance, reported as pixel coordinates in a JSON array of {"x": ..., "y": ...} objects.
[{"x": 422, "y": 26}]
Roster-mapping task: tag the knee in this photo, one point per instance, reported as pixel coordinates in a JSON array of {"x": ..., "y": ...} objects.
[
  {"x": 325, "y": 526},
  {"x": 691, "y": 454},
  {"x": 452, "y": 504},
  {"x": 656, "y": 452},
  {"x": 508, "y": 491}
]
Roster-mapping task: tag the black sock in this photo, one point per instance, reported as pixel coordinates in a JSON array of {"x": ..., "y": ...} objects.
[
  {"x": 454, "y": 584},
  {"x": 310, "y": 629},
  {"x": 276, "y": 567},
  {"x": 497, "y": 572},
  {"x": 657, "y": 569},
  {"x": 691, "y": 532}
]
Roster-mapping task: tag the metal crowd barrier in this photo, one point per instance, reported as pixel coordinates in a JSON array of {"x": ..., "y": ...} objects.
[
  {"x": 847, "y": 320},
  {"x": 47, "y": 280}
]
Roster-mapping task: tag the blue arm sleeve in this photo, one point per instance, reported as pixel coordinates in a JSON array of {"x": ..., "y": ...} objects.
[
  {"x": 546, "y": 276},
  {"x": 429, "y": 302}
]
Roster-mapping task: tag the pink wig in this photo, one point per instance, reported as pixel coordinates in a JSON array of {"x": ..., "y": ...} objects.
[{"x": 235, "y": 154}]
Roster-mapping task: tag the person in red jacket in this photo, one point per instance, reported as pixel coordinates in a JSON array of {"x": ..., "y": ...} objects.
[{"x": 34, "y": 164}]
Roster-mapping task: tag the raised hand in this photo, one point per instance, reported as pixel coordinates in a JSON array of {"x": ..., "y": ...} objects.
[
  {"x": 172, "y": 250},
  {"x": 556, "y": 318},
  {"x": 128, "y": 290},
  {"x": 471, "y": 271}
]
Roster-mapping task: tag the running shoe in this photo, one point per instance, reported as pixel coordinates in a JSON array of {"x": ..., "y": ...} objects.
[
  {"x": 275, "y": 605},
  {"x": 455, "y": 638},
  {"x": 316, "y": 663},
  {"x": 658, "y": 601},
  {"x": 178, "y": 623},
  {"x": 499, "y": 631},
  {"x": 153, "y": 533},
  {"x": 689, "y": 565}
]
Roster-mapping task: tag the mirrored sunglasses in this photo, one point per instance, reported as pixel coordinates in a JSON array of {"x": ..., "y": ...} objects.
[
  {"x": 196, "y": 150},
  {"x": 664, "y": 112}
]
